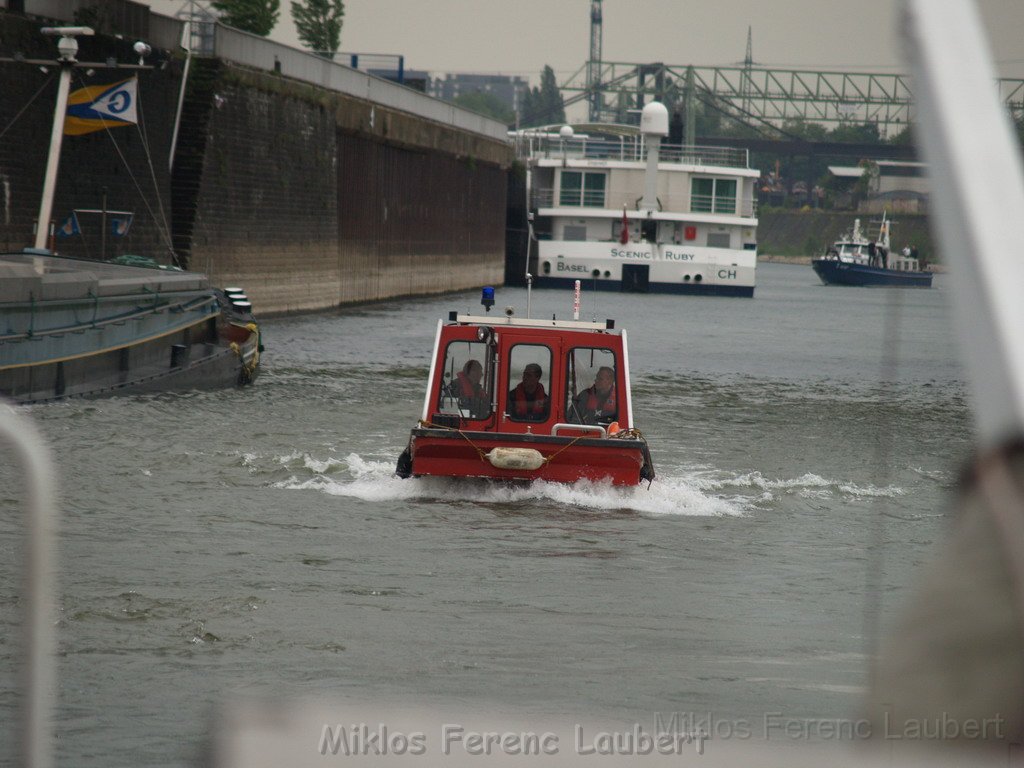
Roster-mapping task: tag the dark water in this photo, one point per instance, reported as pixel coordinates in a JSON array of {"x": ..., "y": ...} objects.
[{"x": 255, "y": 543}]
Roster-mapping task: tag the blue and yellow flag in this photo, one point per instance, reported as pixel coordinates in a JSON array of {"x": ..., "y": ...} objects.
[
  {"x": 101, "y": 106},
  {"x": 69, "y": 226}
]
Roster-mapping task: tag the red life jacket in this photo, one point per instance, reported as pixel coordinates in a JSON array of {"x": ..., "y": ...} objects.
[
  {"x": 466, "y": 388},
  {"x": 608, "y": 406},
  {"x": 524, "y": 405}
]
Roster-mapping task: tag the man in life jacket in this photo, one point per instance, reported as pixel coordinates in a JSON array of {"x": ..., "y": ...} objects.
[
  {"x": 467, "y": 391},
  {"x": 597, "y": 403},
  {"x": 529, "y": 400}
]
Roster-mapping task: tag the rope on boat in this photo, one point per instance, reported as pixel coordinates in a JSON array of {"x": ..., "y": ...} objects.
[
  {"x": 431, "y": 425},
  {"x": 567, "y": 445},
  {"x": 646, "y": 473},
  {"x": 248, "y": 369}
]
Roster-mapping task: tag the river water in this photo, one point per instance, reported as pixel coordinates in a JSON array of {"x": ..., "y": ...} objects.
[{"x": 255, "y": 543}]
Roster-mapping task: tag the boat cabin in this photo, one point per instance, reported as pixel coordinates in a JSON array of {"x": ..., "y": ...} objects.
[
  {"x": 528, "y": 399},
  {"x": 543, "y": 377}
]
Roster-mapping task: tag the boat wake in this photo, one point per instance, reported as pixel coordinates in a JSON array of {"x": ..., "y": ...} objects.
[
  {"x": 693, "y": 493},
  {"x": 375, "y": 481},
  {"x": 808, "y": 485}
]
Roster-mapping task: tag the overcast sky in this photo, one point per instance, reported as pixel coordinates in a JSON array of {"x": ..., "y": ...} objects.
[{"x": 518, "y": 37}]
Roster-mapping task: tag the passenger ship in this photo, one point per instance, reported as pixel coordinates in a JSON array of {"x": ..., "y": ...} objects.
[{"x": 630, "y": 214}]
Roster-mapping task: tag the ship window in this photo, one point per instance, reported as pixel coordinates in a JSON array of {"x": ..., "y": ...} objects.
[
  {"x": 582, "y": 188},
  {"x": 575, "y": 232},
  {"x": 467, "y": 380},
  {"x": 528, "y": 397},
  {"x": 588, "y": 399},
  {"x": 713, "y": 195}
]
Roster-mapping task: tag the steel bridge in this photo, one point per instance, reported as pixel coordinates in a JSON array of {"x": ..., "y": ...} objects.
[{"x": 758, "y": 95}]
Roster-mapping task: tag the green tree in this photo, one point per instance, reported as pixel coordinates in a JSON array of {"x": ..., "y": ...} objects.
[
  {"x": 318, "y": 23},
  {"x": 865, "y": 133},
  {"x": 526, "y": 107},
  {"x": 256, "y": 16},
  {"x": 543, "y": 105},
  {"x": 904, "y": 137},
  {"x": 486, "y": 104},
  {"x": 867, "y": 182},
  {"x": 805, "y": 129}
]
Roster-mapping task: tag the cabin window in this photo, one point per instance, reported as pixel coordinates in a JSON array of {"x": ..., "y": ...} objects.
[
  {"x": 582, "y": 188},
  {"x": 575, "y": 232},
  {"x": 590, "y": 391},
  {"x": 713, "y": 195},
  {"x": 467, "y": 381},
  {"x": 529, "y": 381}
]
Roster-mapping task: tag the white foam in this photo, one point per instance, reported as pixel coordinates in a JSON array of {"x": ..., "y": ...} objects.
[
  {"x": 808, "y": 485},
  {"x": 296, "y": 459},
  {"x": 684, "y": 491},
  {"x": 376, "y": 481}
]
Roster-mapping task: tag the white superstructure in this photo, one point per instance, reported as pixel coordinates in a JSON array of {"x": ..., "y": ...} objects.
[{"x": 688, "y": 212}]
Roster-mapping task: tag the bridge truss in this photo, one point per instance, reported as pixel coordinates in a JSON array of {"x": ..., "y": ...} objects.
[{"x": 763, "y": 95}]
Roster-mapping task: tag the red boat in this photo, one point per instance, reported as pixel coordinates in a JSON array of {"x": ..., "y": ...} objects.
[{"x": 527, "y": 399}]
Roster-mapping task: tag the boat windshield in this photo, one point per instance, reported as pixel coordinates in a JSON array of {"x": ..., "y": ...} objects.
[
  {"x": 590, "y": 396},
  {"x": 529, "y": 380},
  {"x": 468, "y": 380}
]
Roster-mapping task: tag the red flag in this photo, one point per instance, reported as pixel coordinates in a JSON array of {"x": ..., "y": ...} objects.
[{"x": 624, "y": 235}]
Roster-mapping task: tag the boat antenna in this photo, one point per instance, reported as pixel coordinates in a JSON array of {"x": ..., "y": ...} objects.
[
  {"x": 67, "y": 47},
  {"x": 530, "y": 237}
]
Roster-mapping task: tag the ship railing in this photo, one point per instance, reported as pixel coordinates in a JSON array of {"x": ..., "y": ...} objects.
[
  {"x": 546, "y": 197},
  {"x": 626, "y": 148}
]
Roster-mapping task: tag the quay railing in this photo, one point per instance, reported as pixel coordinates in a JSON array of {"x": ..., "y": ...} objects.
[
  {"x": 254, "y": 51},
  {"x": 626, "y": 148}
]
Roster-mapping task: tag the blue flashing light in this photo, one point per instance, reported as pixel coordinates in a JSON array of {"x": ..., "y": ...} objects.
[{"x": 487, "y": 298}]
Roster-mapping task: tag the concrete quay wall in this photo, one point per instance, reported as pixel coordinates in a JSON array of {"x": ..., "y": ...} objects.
[
  {"x": 305, "y": 196},
  {"x": 310, "y": 198}
]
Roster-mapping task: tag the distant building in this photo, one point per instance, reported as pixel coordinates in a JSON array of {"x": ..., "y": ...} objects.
[
  {"x": 896, "y": 187},
  {"x": 508, "y": 90}
]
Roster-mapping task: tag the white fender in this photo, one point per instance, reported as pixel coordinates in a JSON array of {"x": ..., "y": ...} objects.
[{"x": 515, "y": 458}]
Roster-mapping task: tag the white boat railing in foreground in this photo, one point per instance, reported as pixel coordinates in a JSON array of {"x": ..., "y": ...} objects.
[
  {"x": 39, "y": 641},
  {"x": 968, "y": 142},
  {"x": 956, "y": 650}
]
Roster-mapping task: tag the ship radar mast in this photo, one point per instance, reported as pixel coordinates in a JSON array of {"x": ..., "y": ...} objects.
[
  {"x": 653, "y": 127},
  {"x": 67, "y": 47}
]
